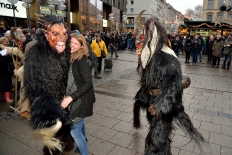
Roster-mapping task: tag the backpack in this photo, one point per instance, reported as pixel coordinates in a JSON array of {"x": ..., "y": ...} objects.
[{"x": 92, "y": 60}]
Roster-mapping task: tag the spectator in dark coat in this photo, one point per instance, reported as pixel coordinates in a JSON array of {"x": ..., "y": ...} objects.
[
  {"x": 187, "y": 49},
  {"x": 176, "y": 45},
  {"x": 209, "y": 49}
]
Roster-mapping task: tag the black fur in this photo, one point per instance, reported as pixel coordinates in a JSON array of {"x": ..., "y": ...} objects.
[
  {"x": 163, "y": 71},
  {"x": 45, "y": 81}
]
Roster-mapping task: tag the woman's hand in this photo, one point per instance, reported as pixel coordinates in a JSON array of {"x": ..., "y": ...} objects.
[{"x": 66, "y": 101}]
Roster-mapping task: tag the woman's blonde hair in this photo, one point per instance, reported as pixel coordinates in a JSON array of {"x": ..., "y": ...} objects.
[
  {"x": 82, "y": 51},
  {"x": 2, "y": 39}
]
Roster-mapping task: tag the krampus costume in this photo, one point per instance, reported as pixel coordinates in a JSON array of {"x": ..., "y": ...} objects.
[
  {"x": 45, "y": 80},
  {"x": 161, "y": 89}
]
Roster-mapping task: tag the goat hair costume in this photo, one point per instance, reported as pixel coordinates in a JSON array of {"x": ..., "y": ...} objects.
[
  {"x": 161, "y": 88},
  {"x": 45, "y": 79}
]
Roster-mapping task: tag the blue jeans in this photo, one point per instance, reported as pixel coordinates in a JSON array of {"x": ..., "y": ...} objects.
[
  {"x": 200, "y": 55},
  {"x": 129, "y": 42},
  {"x": 194, "y": 55},
  {"x": 177, "y": 52},
  {"x": 78, "y": 134}
]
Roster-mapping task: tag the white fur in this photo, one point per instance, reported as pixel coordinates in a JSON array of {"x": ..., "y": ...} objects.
[
  {"x": 146, "y": 55},
  {"x": 167, "y": 50}
]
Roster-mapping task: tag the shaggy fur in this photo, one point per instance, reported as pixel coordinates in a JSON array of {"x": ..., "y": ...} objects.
[
  {"x": 162, "y": 70},
  {"x": 45, "y": 81}
]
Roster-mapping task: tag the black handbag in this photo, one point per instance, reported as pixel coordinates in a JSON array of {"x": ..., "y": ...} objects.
[
  {"x": 103, "y": 54},
  {"x": 9, "y": 65}
]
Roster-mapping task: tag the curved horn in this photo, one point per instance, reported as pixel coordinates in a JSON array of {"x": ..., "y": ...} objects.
[{"x": 138, "y": 20}]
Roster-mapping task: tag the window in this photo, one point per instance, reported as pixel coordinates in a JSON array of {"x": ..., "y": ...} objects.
[
  {"x": 132, "y": 2},
  {"x": 229, "y": 15},
  {"x": 210, "y": 4},
  {"x": 219, "y": 16},
  {"x": 209, "y": 17},
  {"x": 130, "y": 20},
  {"x": 220, "y": 3},
  {"x": 131, "y": 9}
]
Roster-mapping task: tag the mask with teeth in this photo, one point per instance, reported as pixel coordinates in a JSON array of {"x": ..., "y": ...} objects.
[{"x": 57, "y": 36}]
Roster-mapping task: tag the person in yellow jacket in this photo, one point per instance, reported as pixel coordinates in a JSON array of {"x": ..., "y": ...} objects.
[{"x": 97, "y": 46}]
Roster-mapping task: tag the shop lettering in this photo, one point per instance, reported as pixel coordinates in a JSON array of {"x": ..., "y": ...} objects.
[{"x": 8, "y": 6}]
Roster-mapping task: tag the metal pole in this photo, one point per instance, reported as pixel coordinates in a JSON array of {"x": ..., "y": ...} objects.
[
  {"x": 14, "y": 15},
  {"x": 111, "y": 25},
  {"x": 29, "y": 20}
]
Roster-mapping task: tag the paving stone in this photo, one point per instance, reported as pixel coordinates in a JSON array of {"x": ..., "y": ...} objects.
[
  {"x": 203, "y": 117},
  {"x": 101, "y": 147},
  {"x": 106, "y": 112},
  {"x": 206, "y": 103},
  {"x": 226, "y": 130},
  {"x": 183, "y": 152},
  {"x": 219, "y": 139},
  {"x": 123, "y": 127},
  {"x": 222, "y": 105},
  {"x": 104, "y": 133},
  {"x": 214, "y": 109},
  {"x": 211, "y": 127},
  {"x": 122, "y": 139},
  {"x": 227, "y": 111},
  {"x": 222, "y": 121},
  {"x": 141, "y": 132},
  {"x": 103, "y": 121},
  {"x": 184, "y": 143},
  {"x": 138, "y": 145},
  {"x": 125, "y": 117},
  {"x": 223, "y": 115},
  {"x": 207, "y": 149},
  {"x": 208, "y": 112},
  {"x": 175, "y": 151},
  {"x": 118, "y": 150},
  {"x": 226, "y": 151}
]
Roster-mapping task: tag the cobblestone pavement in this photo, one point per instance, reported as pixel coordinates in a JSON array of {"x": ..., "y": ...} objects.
[{"x": 207, "y": 101}]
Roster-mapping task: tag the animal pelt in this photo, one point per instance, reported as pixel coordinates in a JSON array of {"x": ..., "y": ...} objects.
[
  {"x": 161, "y": 69},
  {"x": 45, "y": 81}
]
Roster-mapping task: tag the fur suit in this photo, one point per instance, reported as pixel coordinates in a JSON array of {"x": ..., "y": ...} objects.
[
  {"x": 161, "y": 71},
  {"x": 45, "y": 79}
]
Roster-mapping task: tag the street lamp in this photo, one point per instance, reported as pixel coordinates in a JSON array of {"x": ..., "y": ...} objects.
[
  {"x": 111, "y": 18},
  {"x": 13, "y": 2},
  {"x": 27, "y": 6},
  {"x": 56, "y": 4},
  {"x": 124, "y": 19}
]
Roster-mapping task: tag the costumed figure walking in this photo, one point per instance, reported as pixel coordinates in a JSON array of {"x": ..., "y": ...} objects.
[
  {"x": 161, "y": 90},
  {"x": 46, "y": 67}
]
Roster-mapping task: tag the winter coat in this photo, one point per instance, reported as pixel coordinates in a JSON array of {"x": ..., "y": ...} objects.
[
  {"x": 210, "y": 47},
  {"x": 196, "y": 45},
  {"x": 5, "y": 77},
  {"x": 188, "y": 46},
  {"x": 85, "y": 91},
  {"x": 176, "y": 44},
  {"x": 227, "y": 49},
  {"x": 97, "y": 50},
  {"x": 217, "y": 48}
]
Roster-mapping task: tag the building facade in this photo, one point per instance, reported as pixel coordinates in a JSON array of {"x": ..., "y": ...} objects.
[
  {"x": 158, "y": 9},
  {"x": 79, "y": 14},
  {"x": 211, "y": 10}
]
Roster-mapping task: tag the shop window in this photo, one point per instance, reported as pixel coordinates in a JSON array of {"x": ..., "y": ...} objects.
[
  {"x": 131, "y": 9},
  {"x": 209, "y": 17},
  {"x": 132, "y": 2},
  {"x": 210, "y": 4},
  {"x": 220, "y": 3}
]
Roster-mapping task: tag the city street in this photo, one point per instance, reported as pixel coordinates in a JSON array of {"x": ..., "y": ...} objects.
[{"x": 208, "y": 102}]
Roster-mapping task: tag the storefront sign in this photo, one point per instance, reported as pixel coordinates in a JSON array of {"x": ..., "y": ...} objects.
[
  {"x": 6, "y": 9},
  {"x": 45, "y": 10},
  {"x": 104, "y": 23},
  {"x": 225, "y": 20}
]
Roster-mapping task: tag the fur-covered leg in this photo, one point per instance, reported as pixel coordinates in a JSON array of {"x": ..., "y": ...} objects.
[
  {"x": 137, "y": 114},
  {"x": 158, "y": 139},
  {"x": 66, "y": 139},
  {"x": 47, "y": 151}
]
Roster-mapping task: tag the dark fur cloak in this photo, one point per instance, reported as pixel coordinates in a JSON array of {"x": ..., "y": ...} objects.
[{"x": 163, "y": 70}]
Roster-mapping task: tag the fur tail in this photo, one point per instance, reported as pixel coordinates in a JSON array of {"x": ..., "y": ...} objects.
[
  {"x": 184, "y": 122},
  {"x": 137, "y": 114}
]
